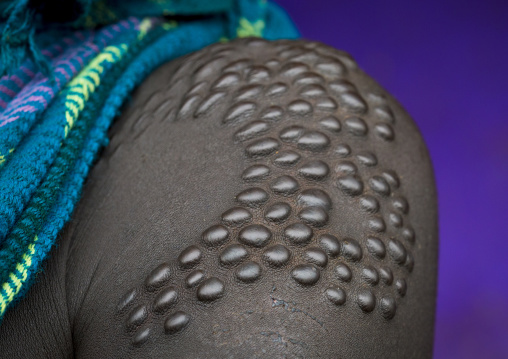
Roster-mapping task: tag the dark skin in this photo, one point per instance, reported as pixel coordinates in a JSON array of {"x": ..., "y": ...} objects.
[{"x": 256, "y": 200}]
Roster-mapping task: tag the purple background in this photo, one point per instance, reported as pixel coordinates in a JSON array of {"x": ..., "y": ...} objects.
[{"x": 447, "y": 63}]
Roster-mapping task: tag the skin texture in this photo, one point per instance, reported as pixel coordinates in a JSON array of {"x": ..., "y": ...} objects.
[{"x": 257, "y": 199}]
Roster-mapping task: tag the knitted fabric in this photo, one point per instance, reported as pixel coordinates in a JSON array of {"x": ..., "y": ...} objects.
[{"x": 53, "y": 125}]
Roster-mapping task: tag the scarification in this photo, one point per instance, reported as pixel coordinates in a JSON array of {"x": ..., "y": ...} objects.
[{"x": 304, "y": 130}]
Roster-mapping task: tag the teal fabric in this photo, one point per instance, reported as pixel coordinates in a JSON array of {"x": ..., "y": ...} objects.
[{"x": 70, "y": 78}]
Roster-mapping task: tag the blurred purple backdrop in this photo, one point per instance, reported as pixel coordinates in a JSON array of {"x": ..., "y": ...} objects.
[{"x": 447, "y": 63}]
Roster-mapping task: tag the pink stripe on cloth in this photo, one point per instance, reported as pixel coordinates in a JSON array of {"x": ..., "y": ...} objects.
[
  {"x": 21, "y": 98},
  {"x": 25, "y": 102},
  {"x": 7, "y": 91},
  {"x": 133, "y": 20},
  {"x": 17, "y": 81},
  {"x": 27, "y": 71},
  {"x": 9, "y": 120},
  {"x": 47, "y": 53},
  {"x": 71, "y": 65},
  {"x": 26, "y": 108},
  {"x": 8, "y": 79},
  {"x": 69, "y": 51},
  {"x": 38, "y": 99},
  {"x": 80, "y": 60},
  {"x": 59, "y": 47},
  {"x": 21, "y": 101},
  {"x": 125, "y": 24},
  {"x": 107, "y": 33},
  {"x": 63, "y": 72},
  {"x": 95, "y": 47},
  {"x": 3, "y": 104},
  {"x": 79, "y": 53},
  {"x": 42, "y": 88}
]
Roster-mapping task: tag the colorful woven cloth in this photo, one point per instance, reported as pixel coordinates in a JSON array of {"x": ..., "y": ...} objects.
[{"x": 57, "y": 104}]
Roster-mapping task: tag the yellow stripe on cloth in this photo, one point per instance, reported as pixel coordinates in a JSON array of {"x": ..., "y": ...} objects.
[
  {"x": 17, "y": 279},
  {"x": 3, "y": 158},
  {"x": 144, "y": 26},
  {"x": 247, "y": 28},
  {"x": 87, "y": 81}
]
